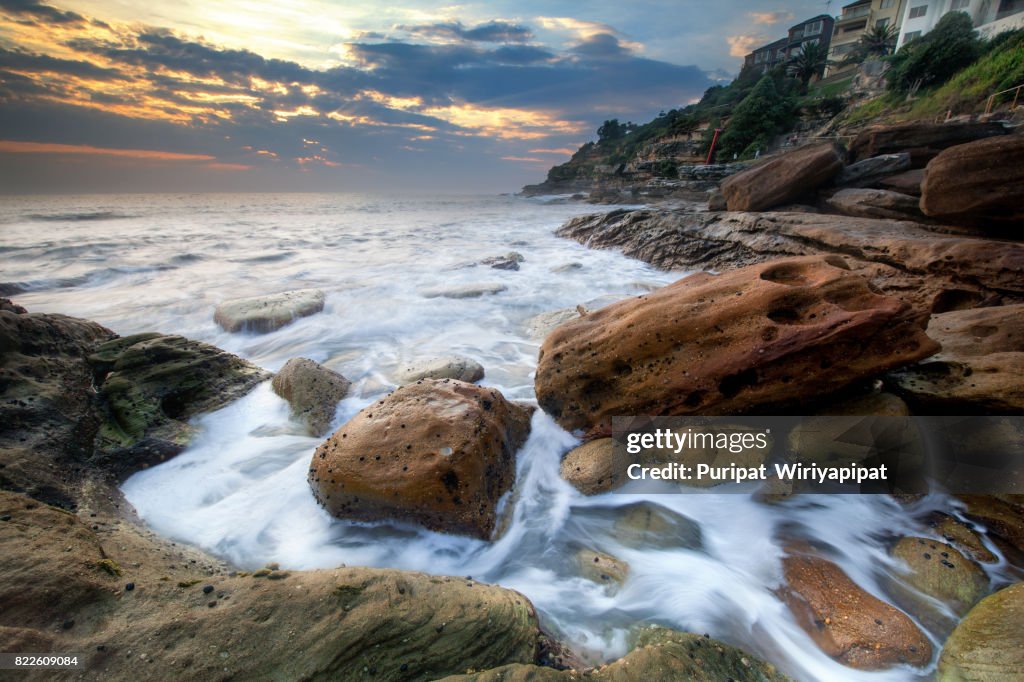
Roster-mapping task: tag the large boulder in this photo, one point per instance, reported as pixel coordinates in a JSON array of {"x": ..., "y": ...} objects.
[
  {"x": 922, "y": 140},
  {"x": 874, "y": 203},
  {"x": 864, "y": 173},
  {"x": 267, "y": 313},
  {"x": 439, "y": 453},
  {"x": 977, "y": 183},
  {"x": 1002, "y": 516},
  {"x": 756, "y": 338},
  {"x": 451, "y": 367},
  {"x": 981, "y": 365},
  {"x": 988, "y": 644},
  {"x": 849, "y": 624},
  {"x": 151, "y": 384},
  {"x": 783, "y": 179},
  {"x": 312, "y": 390}
]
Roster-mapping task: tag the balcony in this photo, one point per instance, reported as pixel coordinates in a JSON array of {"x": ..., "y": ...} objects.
[{"x": 851, "y": 13}]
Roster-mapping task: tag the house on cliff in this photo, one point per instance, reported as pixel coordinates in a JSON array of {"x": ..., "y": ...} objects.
[
  {"x": 816, "y": 30},
  {"x": 990, "y": 17}
]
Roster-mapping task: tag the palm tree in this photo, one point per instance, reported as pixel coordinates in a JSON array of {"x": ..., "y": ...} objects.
[
  {"x": 880, "y": 41},
  {"x": 808, "y": 63}
]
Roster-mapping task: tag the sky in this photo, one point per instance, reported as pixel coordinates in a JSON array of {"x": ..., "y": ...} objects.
[{"x": 346, "y": 95}]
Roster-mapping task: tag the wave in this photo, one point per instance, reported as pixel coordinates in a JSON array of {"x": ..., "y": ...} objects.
[{"x": 78, "y": 216}]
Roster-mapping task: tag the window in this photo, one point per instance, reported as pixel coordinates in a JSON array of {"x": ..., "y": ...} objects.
[
  {"x": 813, "y": 29},
  {"x": 913, "y": 35},
  {"x": 920, "y": 11},
  {"x": 882, "y": 23},
  {"x": 959, "y": 4},
  {"x": 886, "y": 4}
]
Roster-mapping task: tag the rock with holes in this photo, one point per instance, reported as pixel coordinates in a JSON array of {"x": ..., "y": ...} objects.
[
  {"x": 267, "y": 313},
  {"x": 439, "y": 453},
  {"x": 595, "y": 467},
  {"x": 778, "y": 333},
  {"x": 450, "y": 367},
  {"x": 980, "y": 368},
  {"x": 601, "y": 568},
  {"x": 987, "y": 645},
  {"x": 845, "y": 621},
  {"x": 978, "y": 183},
  {"x": 782, "y": 179},
  {"x": 940, "y": 571},
  {"x": 312, "y": 390}
]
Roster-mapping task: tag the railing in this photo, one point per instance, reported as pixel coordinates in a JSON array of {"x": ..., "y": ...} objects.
[
  {"x": 1016, "y": 98},
  {"x": 855, "y": 13}
]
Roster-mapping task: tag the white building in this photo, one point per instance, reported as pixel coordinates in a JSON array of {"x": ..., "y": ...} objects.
[{"x": 989, "y": 16}]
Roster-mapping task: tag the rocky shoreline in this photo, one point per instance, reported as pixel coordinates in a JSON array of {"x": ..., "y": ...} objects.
[{"x": 817, "y": 310}]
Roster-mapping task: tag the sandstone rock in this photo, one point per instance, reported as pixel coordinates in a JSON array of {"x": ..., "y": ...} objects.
[
  {"x": 465, "y": 291},
  {"x": 660, "y": 655},
  {"x": 151, "y": 384},
  {"x": 980, "y": 367},
  {"x": 875, "y": 403},
  {"x": 933, "y": 271},
  {"x": 509, "y": 261},
  {"x": 601, "y": 568},
  {"x": 450, "y": 367},
  {"x": 717, "y": 201},
  {"x": 593, "y": 468},
  {"x": 267, "y": 313},
  {"x": 963, "y": 537},
  {"x": 750, "y": 339},
  {"x": 539, "y": 326},
  {"x": 874, "y": 203},
  {"x": 977, "y": 183},
  {"x": 849, "y": 624},
  {"x": 864, "y": 173},
  {"x": 782, "y": 179},
  {"x": 922, "y": 140},
  {"x": 940, "y": 571},
  {"x": 1002, "y": 516},
  {"x": 987, "y": 645},
  {"x": 439, "y": 453},
  {"x": 904, "y": 183},
  {"x": 312, "y": 390}
]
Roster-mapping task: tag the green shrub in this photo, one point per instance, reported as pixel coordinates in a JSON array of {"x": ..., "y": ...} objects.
[{"x": 934, "y": 58}]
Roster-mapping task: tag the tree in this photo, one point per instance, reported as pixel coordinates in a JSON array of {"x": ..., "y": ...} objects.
[
  {"x": 880, "y": 41},
  {"x": 610, "y": 131},
  {"x": 762, "y": 115},
  {"x": 808, "y": 63},
  {"x": 935, "y": 57}
]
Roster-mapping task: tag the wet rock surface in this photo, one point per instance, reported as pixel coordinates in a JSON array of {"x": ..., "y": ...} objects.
[
  {"x": 988, "y": 644},
  {"x": 439, "y": 453},
  {"x": 312, "y": 390},
  {"x": 752, "y": 338},
  {"x": 594, "y": 468},
  {"x": 268, "y": 313},
  {"x": 940, "y": 571},
  {"x": 448, "y": 367}
]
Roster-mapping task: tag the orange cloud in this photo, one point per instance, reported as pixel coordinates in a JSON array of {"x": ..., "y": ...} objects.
[
  {"x": 742, "y": 45},
  {"x": 563, "y": 150},
  {"x": 12, "y": 147},
  {"x": 770, "y": 17}
]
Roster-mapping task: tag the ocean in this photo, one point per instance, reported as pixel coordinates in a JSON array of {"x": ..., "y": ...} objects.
[{"x": 138, "y": 263}]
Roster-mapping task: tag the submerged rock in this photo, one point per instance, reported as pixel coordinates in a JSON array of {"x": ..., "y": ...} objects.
[
  {"x": 781, "y": 180},
  {"x": 846, "y": 622},
  {"x": 601, "y": 568},
  {"x": 981, "y": 364},
  {"x": 267, "y": 313},
  {"x": 151, "y": 384},
  {"x": 763, "y": 336},
  {"x": 439, "y": 453},
  {"x": 510, "y": 261},
  {"x": 312, "y": 390},
  {"x": 449, "y": 367},
  {"x": 542, "y": 324},
  {"x": 465, "y": 291},
  {"x": 644, "y": 525}
]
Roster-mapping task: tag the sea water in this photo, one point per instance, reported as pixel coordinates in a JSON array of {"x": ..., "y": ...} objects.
[{"x": 162, "y": 263}]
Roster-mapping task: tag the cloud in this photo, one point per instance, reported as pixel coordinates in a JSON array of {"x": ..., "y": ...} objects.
[
  {"x": 742, "y": 45},
  {"x": 490, "y": 32},
  {"x": 38, "y": 11},
  {"x": 13, "y": 147},
  {"x": 770, "y": 17},
  {"x": 601, "y": 46}
]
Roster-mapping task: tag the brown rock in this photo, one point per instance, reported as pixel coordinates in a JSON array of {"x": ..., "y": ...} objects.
[
  {"x": 875, "y": 404},
  {"x": 601, "y": 568},
  {"x": 981, "y": 365},
  {"x": 849, "y": 624},
  {"x": 751, "y": 339},
  {"x": 963, "y": 537},
  {"x": 922, "y": 140},
  {"x": 782, "y": 179},
  {"x": 874, "y": 203},
  {"x": 987, "y": 645},
  {"x": 1002, "y": 515},
  {"x": 977, "y": 183},
  {"x": 438, "y": 452},
  {"x": 940, "y": 571},
  {"x": 312, "y": 390},
  {"x": 593, "y": 468},
  {"x": 904, "y": 183}
]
